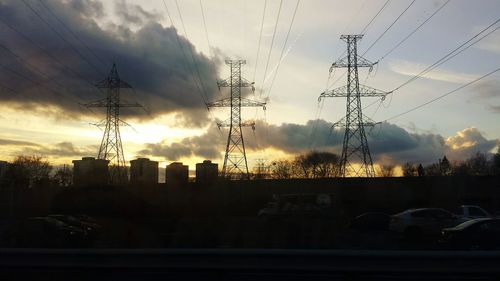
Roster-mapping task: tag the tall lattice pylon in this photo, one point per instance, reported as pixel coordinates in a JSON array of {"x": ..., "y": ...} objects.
[
  {"x": 111, "y": 144},
  {"x": 235, "y": 160},
  {"x": 356, "y": 160}
]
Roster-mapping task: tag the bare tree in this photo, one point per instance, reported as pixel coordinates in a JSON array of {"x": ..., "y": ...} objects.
[
  {"x": 317, "y": 165},
  {"x": 432, "y": 170},
  {"x": 27, "y": 171},
  {"x": 386, "y": 170},
  {"x": 63, "y": 176},
  {"x": 445, "y": 166},
  {"x": 303, "y": 166},
  {"x": 496, "y": 162},
  {"x": 478, "y": 164},
  {"x": 282, "y": 169},
  {"x": 409, "y": 170}
]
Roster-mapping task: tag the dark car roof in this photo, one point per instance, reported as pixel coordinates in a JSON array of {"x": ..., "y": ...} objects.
[
  {"x": 422, "y": 209},
  {"x": 372, "y": 214},
  {"x": 471, "y": 223}
]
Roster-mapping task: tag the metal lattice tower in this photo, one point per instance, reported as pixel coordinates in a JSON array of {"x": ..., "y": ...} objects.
[
  {"x": 356, "y": 159},
  {"x": 111, "y": 144},
  {"x": 235, "y": 160}
]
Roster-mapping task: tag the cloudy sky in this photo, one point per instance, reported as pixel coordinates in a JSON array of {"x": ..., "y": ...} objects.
[{"x": 53, "y": 52}]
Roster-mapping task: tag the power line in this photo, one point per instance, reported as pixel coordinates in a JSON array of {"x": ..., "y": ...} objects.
[
  {"x": 415, "y": 30},
  {"x": 10, "y": 89},
  {"x": 362, "y": 32},
  {"x": 444, "y": 59},
  {"x": 73, "y": 33},
  {"x": 191, "y": 52},
  {"x": 27, "y": 38},
  {"x": 389, "y": 27},
  {"x": 23, "y": 76},
  {"x": 402, "y": 41},
  {"x": 450, "y": 55},
  {"x": 354, "y": 17},
  {"x": 206, "y": 35},
  {"x": 442, "y": 96},
  {"x": 283, "y": 49},
  {"x": 270, "y": 48},
  {"x": 187, "y": 66},
  {"x": 345, "y": 51},
  {"x": 41, "y": 73},
  {"x": 374, "y": 17},
  {"x": 62, "y": 37},
  {"x": 260, "y": 39}
]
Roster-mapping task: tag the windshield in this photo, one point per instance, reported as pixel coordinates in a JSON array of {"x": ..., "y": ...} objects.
[{"x": 248, "y": 124}]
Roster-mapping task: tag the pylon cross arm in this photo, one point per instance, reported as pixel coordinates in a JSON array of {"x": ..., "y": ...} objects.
[
  {"x": 251, "y": 103},
  {"x": 225, "y": 102},
  {"x": 344, "y": 62},
  {"x": 342, "y": 92},
  {"x": 98, "y": 103},
  {"x": 224, "y": 83},
  {"x": 108, "y": 83},
  {"x": 227, "y": 82},
  {"x": 243, "y": 124},
  {"x": 367, "y": 122}
]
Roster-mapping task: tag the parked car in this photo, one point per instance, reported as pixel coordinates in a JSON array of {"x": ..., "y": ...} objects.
[
  {"x": 423, "y": 223},
  {"x": 371, "y": 221},
  {"x": 472, "y": 212},
  {"x": 48, "y": 232},
  {"x": 481, "y": 234},
  {"x": 73, "y": 221}
]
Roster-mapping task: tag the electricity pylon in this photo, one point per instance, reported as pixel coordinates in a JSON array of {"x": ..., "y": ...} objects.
[
  {"x": 111, "y": 144},
  {"x": 235, "y": 160},
  {"x": 356, "y": 159}
]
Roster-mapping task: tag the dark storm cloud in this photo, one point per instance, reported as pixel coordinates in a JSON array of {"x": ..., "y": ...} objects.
[
  {"x": 62, "y": 149},
  {"x": 134, "y": 14},
  {"x": 387, "y": 142},
  {"x": 16, "y": 143},
  {"x": 207, "y": 146},
  {"x": 148, "y": 58}
]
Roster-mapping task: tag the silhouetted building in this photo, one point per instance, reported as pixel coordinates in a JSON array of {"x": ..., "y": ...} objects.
[
  {"x": 4, "y": 165},
  {"x": 143, "y": 171},
  {"x": 176, "y": 174},
  {"x": 90, "y": 171},
  {"x": 207, "y": 172}
]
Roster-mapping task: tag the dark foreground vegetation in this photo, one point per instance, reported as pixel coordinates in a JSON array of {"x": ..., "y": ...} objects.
[{"x": 225, "y": 214}]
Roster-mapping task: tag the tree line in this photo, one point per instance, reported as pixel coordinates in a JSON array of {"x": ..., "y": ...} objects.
[
  {"x": 478, "y": 164},
  {"x": 315, "y": 164},
  {"x": 32, "y": 171},
  {"x": 35, "y": 171}
]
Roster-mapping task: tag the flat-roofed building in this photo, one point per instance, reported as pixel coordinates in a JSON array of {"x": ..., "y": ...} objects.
[
  {"x": 176, "y": 174},
  {"x": 90, "y": 171},
  {"x": 143, "y": 171},
  {"x": 207, "y": 172}
]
